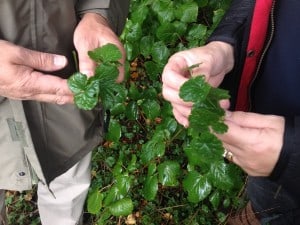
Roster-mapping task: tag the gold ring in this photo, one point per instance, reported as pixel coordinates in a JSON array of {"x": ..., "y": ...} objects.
[{"x": 228, "y": 155}]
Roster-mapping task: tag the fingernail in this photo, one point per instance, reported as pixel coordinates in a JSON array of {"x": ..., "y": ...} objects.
[{"x": 60, "y": 61}]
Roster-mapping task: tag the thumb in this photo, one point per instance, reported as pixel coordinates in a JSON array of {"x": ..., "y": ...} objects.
[{"x": 41, "y": 61}]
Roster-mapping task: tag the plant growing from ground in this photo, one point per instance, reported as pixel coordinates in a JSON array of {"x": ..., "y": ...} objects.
[{"x": 150, "y": 169}]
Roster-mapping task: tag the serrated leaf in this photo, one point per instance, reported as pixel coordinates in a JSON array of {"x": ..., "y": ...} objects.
[
  {"x": 195, "y": 89},
  {"x": 204, "y": 150},
  {"x": 197, "y": 186},
  {"x": 86, "y": 91},
  {"x": 168, "y": 173},
  {"x": 106, "y": 54},
  {"x": 94, "y": 202},
  {"x": 122, "y": 207}
]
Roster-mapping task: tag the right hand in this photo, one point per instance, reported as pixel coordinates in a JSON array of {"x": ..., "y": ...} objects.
[
  {"x": 216, "y": 59},
  {"x": 20, "y": 76}
]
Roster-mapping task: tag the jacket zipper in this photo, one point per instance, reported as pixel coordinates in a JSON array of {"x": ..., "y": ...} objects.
[{"x": 272, "y": 24}]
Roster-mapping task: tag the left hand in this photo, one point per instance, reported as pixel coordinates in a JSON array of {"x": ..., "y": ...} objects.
[
  {"x": 92, "y": 32},
  {"x": 255, "y": 141}
]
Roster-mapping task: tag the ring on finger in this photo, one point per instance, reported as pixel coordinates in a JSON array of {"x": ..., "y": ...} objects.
[{"x": 228, "y": 155}]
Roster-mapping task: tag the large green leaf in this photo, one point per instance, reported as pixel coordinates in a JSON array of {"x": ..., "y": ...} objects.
[
  {"x": 94, "y": 201},
  {"x": 168, "y": 173},
  {"x": 114, "y": 131},
  {"x": 106, "y": 54},
  {"x": 122, "y": 207},
  {"x": 151, "y": 108},
  {"x": 187, "y": 12},
  {"x": 150, "y": 187},
  {"x": 86, "y": 91},
  {"x": 197, "y": 186}
]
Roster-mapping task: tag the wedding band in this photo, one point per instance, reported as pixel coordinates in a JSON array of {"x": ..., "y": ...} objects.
[{"x": 228, "y": 155}]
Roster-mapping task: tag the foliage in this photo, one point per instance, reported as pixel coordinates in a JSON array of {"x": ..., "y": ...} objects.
[{"x": 150, "y": 169}]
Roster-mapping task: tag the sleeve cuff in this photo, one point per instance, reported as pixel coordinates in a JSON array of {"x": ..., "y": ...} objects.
[{"x": 287, "y": 148}]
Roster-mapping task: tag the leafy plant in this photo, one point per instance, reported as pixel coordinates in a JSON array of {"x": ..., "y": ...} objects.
[
  {"x": 150, "y": 169},
  {"x": 102, "y": 86}
]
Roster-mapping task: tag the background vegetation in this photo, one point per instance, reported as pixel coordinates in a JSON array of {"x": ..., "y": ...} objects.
[{"x": 151, "y": 170}]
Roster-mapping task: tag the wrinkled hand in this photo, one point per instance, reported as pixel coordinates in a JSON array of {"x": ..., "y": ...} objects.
[
  {"x": 20, "y": 77},
  {"x": 92, "y": 32},
  {"x": 255, "y": 141},
  {"x": 216, "y": 60}
]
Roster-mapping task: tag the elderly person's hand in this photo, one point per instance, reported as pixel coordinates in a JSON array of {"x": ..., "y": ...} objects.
[
  {"x": 93, "y": 31},
  {"x": 21, "y": 75},
  {"x": 255, "y": 141},
  {"x": 216, "y": 59}
]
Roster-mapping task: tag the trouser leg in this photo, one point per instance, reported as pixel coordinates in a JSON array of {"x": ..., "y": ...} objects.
[
  {"x": 64, "y": 206},
  {"x": 271, "y": 202},
  {"x": 3, "y": 218}
]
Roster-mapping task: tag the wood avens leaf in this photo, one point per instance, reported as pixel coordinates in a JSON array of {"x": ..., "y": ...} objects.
[{"x": 102, "y": 86}]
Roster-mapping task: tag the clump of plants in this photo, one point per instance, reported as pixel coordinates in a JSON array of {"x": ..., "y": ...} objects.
[{"x": 150, "y": 169}]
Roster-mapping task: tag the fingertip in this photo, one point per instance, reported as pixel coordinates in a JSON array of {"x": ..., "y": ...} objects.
[{"x": 60, "y": 61}]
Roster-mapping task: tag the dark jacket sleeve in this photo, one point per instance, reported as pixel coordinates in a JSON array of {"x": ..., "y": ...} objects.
[
  {"x": 234, "y": 29},
  {"x": 286, "y": 171},
  {"x": 116, "y": 11}
]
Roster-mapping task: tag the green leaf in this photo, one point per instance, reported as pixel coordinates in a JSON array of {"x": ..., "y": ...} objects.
[
  {"x": 146, "y": 44},
  {"x": 204, "y": 150},
  {"x": 160, "y": 52},
  {"x": 165, "y": 10},
  {"x": 168, "y": 173},
  {"x": 153, "y": 69},
  {"x": 197, "y": 186},
  {"x": 151, "y": 108},
  {"x": 86, "y": 91},
  {"x": 167, "y": 33},
  {"x": 219, "y": 174},
  {"x": 122, "y": 207},
  {"x": 123, "y": 184},
  {"x": 187, "y": 12},
  {"x": 215, "y": 199},
  {"x": 94, "y": 202},
  {"x": 106, "y": 54},
  {"x": 195, "y": 89},
  {"x": 114, "y": 131},
  {"x": 150, "y": 187},
  {"x": 151, "y": 150},
  {"x": 197, "y": 32},
  {"x": 132, "y": 111}
]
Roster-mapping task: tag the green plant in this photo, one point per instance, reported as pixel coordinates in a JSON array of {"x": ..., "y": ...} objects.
[{"x": 150, "y": 169}]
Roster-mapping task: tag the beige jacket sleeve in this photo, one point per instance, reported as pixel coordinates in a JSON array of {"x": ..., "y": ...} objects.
[{"x": 116, "y": 11}]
